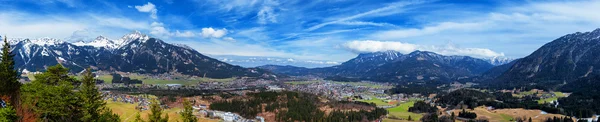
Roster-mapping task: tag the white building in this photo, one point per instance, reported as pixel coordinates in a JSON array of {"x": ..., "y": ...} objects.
[
  {"x": 229, "y": 117},
  {"x": 274, "y": 88}
]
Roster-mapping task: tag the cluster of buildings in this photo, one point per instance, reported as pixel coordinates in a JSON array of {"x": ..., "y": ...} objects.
[
  {"x": 334, "y": 90},
  {"x": 231, "y": 117},
  {"x": 226, "y": 116},
  {"x": 141, "y": 101},
  {"x": 407, "y": 97}
]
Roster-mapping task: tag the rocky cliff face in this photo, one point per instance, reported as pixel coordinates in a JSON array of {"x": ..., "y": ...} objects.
[{"x": 565, "y": 59}]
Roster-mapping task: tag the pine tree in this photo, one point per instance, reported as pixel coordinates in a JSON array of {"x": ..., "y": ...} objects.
[
  {"x": 52, "y": 96},
  {"x": 8, "y": 114},
  {"x": 94, "y": 108},
  {"x": 166, "y": 118},
  {"x": 409, "y": 118},
  {"x": 138, "y": 118},
  {"x": 530, "y": 119},
  {"x": 187, "y": 113},
  {"x": 9, "y": 78},
  {"x": 156, "y": 112}
]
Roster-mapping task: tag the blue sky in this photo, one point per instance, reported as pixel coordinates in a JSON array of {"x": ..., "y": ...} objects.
[{"x": 332, "y": 30}]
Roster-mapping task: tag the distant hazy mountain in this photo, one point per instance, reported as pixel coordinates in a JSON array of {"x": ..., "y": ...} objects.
[
  {"x": 254, "y": 61},
  {"x": 133, "y": 52},
  {"x": 565, "y": 59},
  {"x": 498, "y": 70},
  {"x": 395, "y": 66}
]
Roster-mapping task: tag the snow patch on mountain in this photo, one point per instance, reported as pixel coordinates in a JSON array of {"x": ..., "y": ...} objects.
[
  {"x": 46, "y": 41},
  {"x": 100, "y": 41},
  {"x": 499, "y": 60}
]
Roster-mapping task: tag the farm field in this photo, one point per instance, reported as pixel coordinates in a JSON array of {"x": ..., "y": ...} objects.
[
  {"x": 377, "y": 102},
  {"x": 506, "y": 115},
  {"x": 106, "y": 78},
  {"x": 547, "y": 100},
  {"x": 402, "y": 112}
]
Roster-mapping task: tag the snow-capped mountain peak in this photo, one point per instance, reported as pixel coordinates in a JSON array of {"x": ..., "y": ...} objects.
[
  {"x": 45, "y": 41},
  {"x": 135, "y": 35},
  {"x": 100, "y": 41},
  {"x": 499, "y": 60}
]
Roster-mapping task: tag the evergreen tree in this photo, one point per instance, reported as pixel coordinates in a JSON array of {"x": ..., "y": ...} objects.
[
  {"x": 52, "y": 97},
  {"x": 166, "y": 118},
  {"x": 9, "y": 78},
  {"x": 530, "y": 119},
  {"x": 156, "y": 112},
  {"x": 8, "y": 114},
  {"x": 138, "y": 118},
  {"x": 94, "y": 108},
  {"x": 187, "y": 113},
  {"x": 409, "y": 118}
]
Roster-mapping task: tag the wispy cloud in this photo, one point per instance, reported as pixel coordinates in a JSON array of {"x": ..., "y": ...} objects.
[
  {"x": 266, "y": 14},
  {"x": 524, "y": 27},
  {"x": 27, "y": 25},
  {"x": 317, "y": 29},
  {"x": 185, "y": 34},
  {"x": 365, "y": 23},
  {"x": 376, "y": 46},
  {"x": 353, "y": 17}
]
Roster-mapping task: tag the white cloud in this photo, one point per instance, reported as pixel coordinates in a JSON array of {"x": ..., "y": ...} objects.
[
  {"x": 82, "y": 35},
  {"x": 375, "y": 46},
  {"x": 229, "y": 39},
  {"x": 213, "y": 33},
  {"x": 158, "y": 29},
  {"x": 120, "y": 22},
  {"x": 185, "y": 34},
  {"x": 148, "y": 8}
]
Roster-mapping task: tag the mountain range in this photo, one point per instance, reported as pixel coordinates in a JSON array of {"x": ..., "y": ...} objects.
[
  {"x": 394, "y": 66},
  {"x": 565, "y": 59},
  {"x": 134, "y": 52}
]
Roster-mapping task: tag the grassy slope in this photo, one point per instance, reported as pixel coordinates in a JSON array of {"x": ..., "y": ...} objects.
[{"x": 128, "y": 112}]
